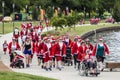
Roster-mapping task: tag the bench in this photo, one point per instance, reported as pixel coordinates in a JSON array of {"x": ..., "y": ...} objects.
[{"x": 112, "y": 65}]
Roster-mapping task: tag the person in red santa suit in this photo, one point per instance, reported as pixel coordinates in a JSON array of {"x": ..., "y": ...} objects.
[
  {"x": 23, "y": 25},
  {"x": 34, "y": 36},
  {"x": 74, "y": 48},
  {"x": 36, "y": 28},
  {"x": 51, "y": 54},
  {"x": 47, "y": 22},
  {"x": 60, "y": 50},
  {"x": 12, "y": 46},
  {"x": 67, "y": 41},
  {"x": 46, "y": 52},
  {"x": 29, "y": 25},
  {"x": 16, "y": 34},
  {"x": 5, "y": 46},
  {"x": 34, "y": 48},
  {"x": 23, "y": 34},
  {"x": 41, "y": 27},
  {"x": 100, "y": 51},
  {"x": 81, "y": 52},
  {"x": 39, "y": 51},
  {"x": 89, "y": 45}
]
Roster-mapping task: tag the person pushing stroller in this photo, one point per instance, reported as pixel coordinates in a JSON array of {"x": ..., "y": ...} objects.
[{"x": 18, "y": 60}]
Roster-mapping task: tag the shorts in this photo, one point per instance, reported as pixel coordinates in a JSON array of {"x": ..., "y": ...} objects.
[
  {"x": 5, "y": 49},
  {"x": 50, "y": 58},
  {"x": 54, "y": 58},
  {"x": 40, "y": 57},
  {"x": 58, "y": 58},
  {"x": 100, "y": 59},
  {"x": 29, "y": 52}
]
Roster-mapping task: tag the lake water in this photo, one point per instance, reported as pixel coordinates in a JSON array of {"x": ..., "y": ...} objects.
[{"x": 112, "y": 39}]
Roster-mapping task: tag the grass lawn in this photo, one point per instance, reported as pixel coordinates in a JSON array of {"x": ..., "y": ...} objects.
[
  {"x": 19, "y": 76},
  {"x": 79, "y": 30},
  {"x": 8, "y": 26}
]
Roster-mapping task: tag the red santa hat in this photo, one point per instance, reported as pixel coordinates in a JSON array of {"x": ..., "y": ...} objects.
[
  {"x": 53, "y": 39},
  {"x": 39, "y": 39},
  {"x": 79, "y": 39},
  {"x": 45, "y": 38},
  {"x": 23, "y": 25},
  {"x": 13, "y": 38}
]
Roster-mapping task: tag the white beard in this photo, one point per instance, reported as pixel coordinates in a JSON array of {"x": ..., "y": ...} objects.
[
  {"x": 48, "y": 45},
  {"x": 78, "y": 44},
  {"x": 61, "y": 44}
]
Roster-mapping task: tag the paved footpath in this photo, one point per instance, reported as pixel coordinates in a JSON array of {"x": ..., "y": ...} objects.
[{"x": 68, "y": 73}]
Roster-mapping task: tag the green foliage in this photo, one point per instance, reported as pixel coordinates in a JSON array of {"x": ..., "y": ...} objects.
[
  {"x": 106, "y": 14},
  {"x": 70, "y": 20},
  {"x": 8, "y": 8},
  {"x": 19, "y": 76},
  {"x": 49, "y": 12},
  {"x": 116, "y": 11},
  {"x": 84, "y": 6},
  {"x": 58, "y": 22},
  {"x": 94, "y": 14},
  {"x": 35, "y": 13}
]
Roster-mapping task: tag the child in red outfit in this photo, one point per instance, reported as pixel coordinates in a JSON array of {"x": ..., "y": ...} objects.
[{"x": 5, "y": 45}]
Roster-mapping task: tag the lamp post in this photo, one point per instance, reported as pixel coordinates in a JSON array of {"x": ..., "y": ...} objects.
[
  {"x": 39, "y": 7},
  {"x": 13, "y": 15},
  {"x": 84, "y": 12},
  {"x": 3, "y": 5},
  {"x": 53, "y": 10},
  {"x": 26, "y": 12}
]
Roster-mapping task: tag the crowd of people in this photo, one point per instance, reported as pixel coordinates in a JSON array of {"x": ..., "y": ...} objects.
[{"x": 52, "y": 51}]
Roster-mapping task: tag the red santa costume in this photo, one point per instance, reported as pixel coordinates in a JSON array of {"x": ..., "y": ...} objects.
[
  {"x": 74, "y": 49},
  {"x": 23, "y": 32},
  {"x": 89, "y": 45},
  {"x": 16, "y": 33},
  {"x": 29, "y": 25},
  {"x": 23, "y": 25},
  {"x": 100, "y": 50},
  {"x": 34, "y": 36},
  {"x": 39, "y": 48},
  {"x": 46, "y": 51},
  {"x": 82, "y": 51},
  {"x": 67, "y": 41},
  {"x": 33, "y": 48},
  {"x": 41, "y": 27},
  {"x": 5, "y": 46},
  {"x": 11, "y": 47},
  {"x": 60, "y": 50},
  {"x": 47, "y": 23}
]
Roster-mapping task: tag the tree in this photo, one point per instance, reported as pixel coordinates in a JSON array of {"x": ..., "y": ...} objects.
[
  {"x": 58, "y": 22},
  {"x": 50, "y": 12},
  {"x": 71, "y": 20},
  {"x": 116, "y": 11},
  {"x": 19, "y": 5}
]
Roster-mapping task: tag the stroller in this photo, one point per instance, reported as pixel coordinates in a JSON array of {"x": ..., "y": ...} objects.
[
  {"x": 68, "y": 58},
  {"x": 18, "y": 60},
  {"x": 85, "y": 69}
]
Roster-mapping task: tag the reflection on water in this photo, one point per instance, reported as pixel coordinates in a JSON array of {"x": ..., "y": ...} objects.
[{"x": 112, "y": 39}]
